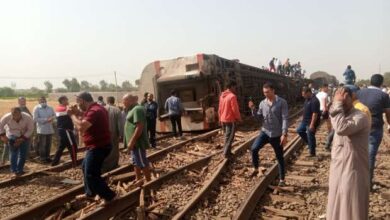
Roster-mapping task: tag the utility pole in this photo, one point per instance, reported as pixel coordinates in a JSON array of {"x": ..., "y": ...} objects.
[{"x": 116, "y": 88}]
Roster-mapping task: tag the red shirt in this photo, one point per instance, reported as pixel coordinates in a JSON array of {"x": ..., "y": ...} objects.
[{"x": 98, "y": 135}]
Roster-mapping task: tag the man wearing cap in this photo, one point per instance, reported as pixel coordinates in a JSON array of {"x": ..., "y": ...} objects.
[
  {"x": 65, "y": 132},
  {"x": 94, "y": 126}
]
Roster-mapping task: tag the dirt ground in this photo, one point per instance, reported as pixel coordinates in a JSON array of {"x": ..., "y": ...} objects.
[{"x": 7, "y": 104}]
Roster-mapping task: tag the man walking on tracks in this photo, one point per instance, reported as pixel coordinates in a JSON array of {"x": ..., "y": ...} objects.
[
  {"x": 174, "y": 108},
  {"x": 116, "y": 130},
  {"x": 229, "y": 115},
  {"x": 94, "y": 126},
  {"x": 136, "y": 137},
  {"x": 378, "y": 102},
  {"x": 65, "y": 132},
  {"x": 310, "y": 120},
  {"x": 151, "y": 116},
  {"x": 348, "y": 196},
  {"x": 274, "y": 112}
]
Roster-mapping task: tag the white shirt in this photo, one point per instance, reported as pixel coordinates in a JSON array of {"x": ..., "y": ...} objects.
[
  {"x": 322, "y": 96},
  {"x": 24, "y": 127}
]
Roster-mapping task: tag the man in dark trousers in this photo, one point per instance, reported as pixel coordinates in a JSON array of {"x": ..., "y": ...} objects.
[
  {"x": 229, "y": 115},
  {"x": 378, "y": 102},
  {"x": 273, "y": 110},
  {"x": 151, "y": 115},
  {"x": 65, "y": 132},
  {"x": 94, "y": 126},
  {"x": 174, "y": 108},
  {"x": 310, "y": 120}
]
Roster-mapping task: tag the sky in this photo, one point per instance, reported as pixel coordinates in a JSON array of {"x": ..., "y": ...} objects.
[{"x": 90, "y": 39}]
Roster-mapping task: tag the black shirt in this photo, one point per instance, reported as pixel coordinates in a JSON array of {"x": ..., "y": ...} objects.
[
  {"x": 312, "y": 105},
  {"x": 377, "y": 101}
]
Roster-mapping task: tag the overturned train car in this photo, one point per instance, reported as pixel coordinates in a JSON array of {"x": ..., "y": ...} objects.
[{"x": 200, "y": 79}]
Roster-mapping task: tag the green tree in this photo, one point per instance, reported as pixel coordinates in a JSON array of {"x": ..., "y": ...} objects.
[
  {"x": 67, "y": 84},
  {"x": 75, "y": 85},
  {"x": 48, "y": 86},
  {"x": 85, "y": 85},
  {"x": 127, "y": 86},
  {"x": 6, "y": 92},
  {"x": 103, "y": 85}
]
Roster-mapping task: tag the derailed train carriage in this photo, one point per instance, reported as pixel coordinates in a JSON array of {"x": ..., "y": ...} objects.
[{"x": 199, "y": 81}]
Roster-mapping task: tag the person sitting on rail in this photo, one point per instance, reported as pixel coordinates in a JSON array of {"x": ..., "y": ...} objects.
[
  {"x": 93, "y": 124},
  {"x": 65, "y": 129},
  {"x": 116, "y": 129},
  {"x": 136, "y": 136},
  {"x": 349, "y": 76},
  {"x": 16, "y": 129},
  {"x": 44, "y": 116},
  {"x": 229, "y": 115},
  {"x": 310, "y": 120},
  {"x": 175, "y": 109},
  {"x": 348, "y": 196},
  {"x": 151, "y": 115},
  {"x": 274, "y": 112}
]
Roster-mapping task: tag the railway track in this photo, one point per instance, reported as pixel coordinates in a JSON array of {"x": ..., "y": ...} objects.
[
  {"x": 184, "y": 182},
  {"x": 50, "y": 203},
  {"x": 234, "y": 183},
  {"x": 33, "y": 166}
]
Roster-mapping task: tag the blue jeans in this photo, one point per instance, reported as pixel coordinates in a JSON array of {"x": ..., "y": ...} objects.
[
  {"x": 17, "y": 157},
  {"x": 94, "y": 184},
  {"x": 374, "y": 140},
  {"x": 308, "y": 137},
  {"x": 262, "y": 140}
]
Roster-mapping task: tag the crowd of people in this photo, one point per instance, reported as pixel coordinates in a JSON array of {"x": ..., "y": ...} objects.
[
  {"x": 285, "y": 69},
  {"x": 101, "y": 126},
  {"x": 353, "y": 117}
]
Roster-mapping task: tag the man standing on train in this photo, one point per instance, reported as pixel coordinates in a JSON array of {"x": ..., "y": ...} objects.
[
  {"x": 229, "y": 115},
  {"x": 273, "y": 110}
]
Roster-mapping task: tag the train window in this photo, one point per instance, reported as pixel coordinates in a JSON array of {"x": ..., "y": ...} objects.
[
  {"x": 187, "y": 95},
  {"x": 191, "y": 67}
]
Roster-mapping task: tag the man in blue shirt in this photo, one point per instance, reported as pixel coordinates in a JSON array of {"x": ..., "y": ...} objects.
[
  {"x": 151, "y": 115},
  {"x": 174, "y": 108},
  {"x": 349, "y": 76},
  {"x": 274, "y": 112},
  {"x": 310, "y": 120},
  {"x": 44, "y": 116},
  {"x": 378, "y": 102}
]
